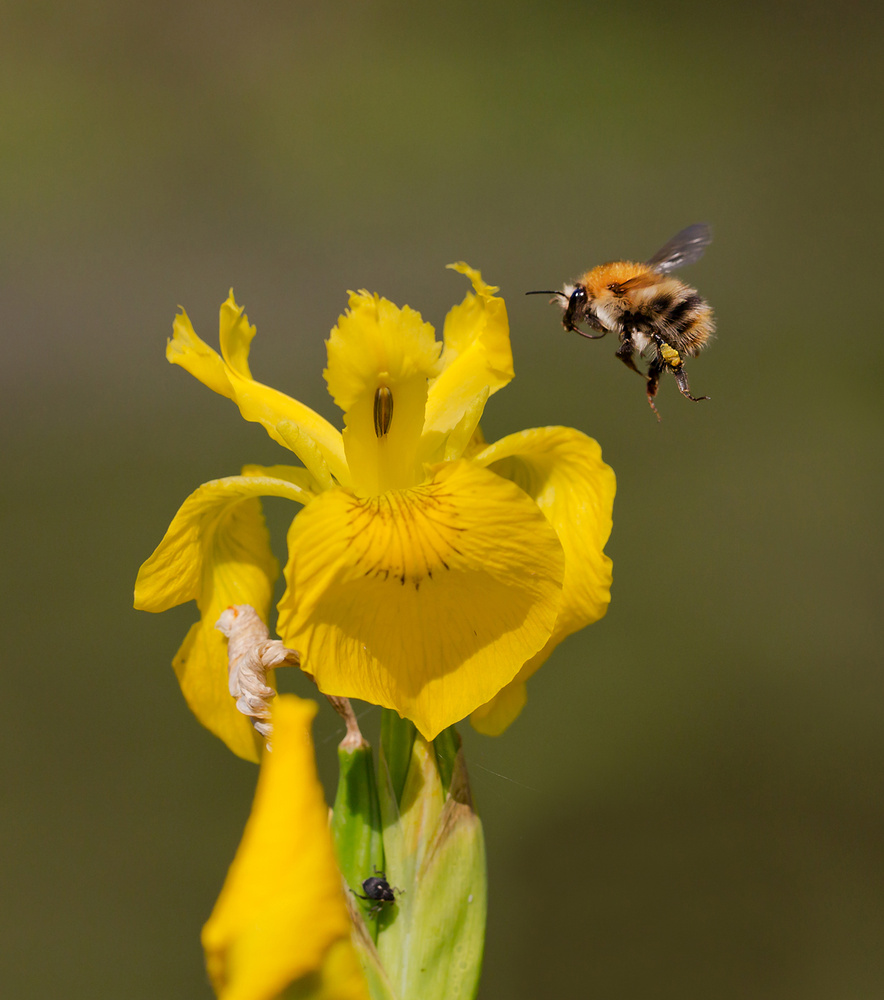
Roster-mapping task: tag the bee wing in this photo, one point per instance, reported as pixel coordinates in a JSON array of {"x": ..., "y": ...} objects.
[
  {"x": 639, "y": 281},
  {"x": 684, "y": 248}
]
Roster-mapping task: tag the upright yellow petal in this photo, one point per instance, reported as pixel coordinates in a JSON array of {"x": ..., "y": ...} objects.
[
  {"x": 379, "y": 354},
  {"x": 563, "y": 472},
  {"x": 235, "y": 337},
  {"x": 194, "y": 355},
  {"x": 281, "y": 920},
  {"x": 427, "y": 600},
  {"x": 477, "y": 360},
  {"x": 231, "y": 377},
  {"x": 216, "y": 552}
]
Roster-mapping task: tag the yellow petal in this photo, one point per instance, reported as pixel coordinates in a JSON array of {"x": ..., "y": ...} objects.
[
  {"x": 216, "y": 552},
  {"x": 563, "y": 472},
  {"x": 497, "y": 715},
  {"x": 477, "y": 360},
  {"x": 379, "y": 348},
  {"x": 231, "y": 377},
  {"x": 281, "y": 920},
  {"x": 303, "y": 479},
  {"x": 235, "y": 337},
  {"x": 173, "y": 574},
  {"x": 201, "y": 668},
  {"x": 190, "y": 351},
  {"x": 427, "y": 601}
]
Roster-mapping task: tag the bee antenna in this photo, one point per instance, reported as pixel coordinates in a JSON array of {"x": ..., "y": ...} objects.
[{"x": 548, "y": 291}]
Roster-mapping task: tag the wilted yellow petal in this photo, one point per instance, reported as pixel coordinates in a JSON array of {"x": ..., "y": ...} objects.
[
  {"x": 281, "y": 920},
  {"x": 427, "y": 600},
  {"x": 216, "y": 552}
]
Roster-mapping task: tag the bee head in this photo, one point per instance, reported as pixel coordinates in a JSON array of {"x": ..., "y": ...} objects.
[{"x": 574, "y": 303}]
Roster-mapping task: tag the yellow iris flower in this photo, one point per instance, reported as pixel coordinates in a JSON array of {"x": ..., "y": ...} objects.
[
  {"x": 428, "y": 572},
  {"x": 281, "y": 921}
]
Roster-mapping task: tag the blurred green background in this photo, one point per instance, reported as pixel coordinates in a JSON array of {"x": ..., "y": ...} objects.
[{"x": 692, "y": 802}]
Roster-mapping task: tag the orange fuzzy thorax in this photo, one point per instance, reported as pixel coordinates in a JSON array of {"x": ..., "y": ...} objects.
[{"x": 597, "y": 280}]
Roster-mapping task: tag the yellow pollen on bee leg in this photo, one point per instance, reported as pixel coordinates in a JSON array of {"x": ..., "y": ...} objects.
[
  {"x": 670, "y": 356},
  {"x": 383, "y": 410}
]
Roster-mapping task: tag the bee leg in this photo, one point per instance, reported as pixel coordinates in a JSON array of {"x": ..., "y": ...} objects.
[
  {"x": 681, "y": 380},
  {"x": 672, "y": 361},
  {"x": 569, "y": 324},
  {"x": 626, "y": 353},
  {"x": 654, "y": 370}
]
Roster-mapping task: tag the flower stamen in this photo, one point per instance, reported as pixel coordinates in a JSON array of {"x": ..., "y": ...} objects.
[{"x": 383, "y": 410}]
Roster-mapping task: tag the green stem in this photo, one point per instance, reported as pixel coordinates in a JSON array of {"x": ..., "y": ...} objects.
[
  {"x": 397, "y": 739},
  {"x": 446, "y": 745}
]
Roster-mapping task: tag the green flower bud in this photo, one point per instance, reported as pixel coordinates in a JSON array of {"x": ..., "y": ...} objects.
[{"x": 431, "y": 937}]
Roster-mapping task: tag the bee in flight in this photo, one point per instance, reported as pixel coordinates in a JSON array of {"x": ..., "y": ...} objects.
[{"x": 653, "y": 314}]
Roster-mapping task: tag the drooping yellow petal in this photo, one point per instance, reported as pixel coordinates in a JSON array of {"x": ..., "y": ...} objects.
[
  {"x": 281, "y": 920},
  {"x": 173, "y": 573},
  {"x": 258, "y": 403},
  {"x": 497, "y": 715},
  {"x": 217, "y": 552},
  {"x": 562, "y": 470},
  {"x": 378, "y": 348},
  {"x": 477, "y": 360},
  {"x": 427, "y": 601}
]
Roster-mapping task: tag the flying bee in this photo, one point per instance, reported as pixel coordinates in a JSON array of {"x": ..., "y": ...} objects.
[{"x": 653, "y": 314}]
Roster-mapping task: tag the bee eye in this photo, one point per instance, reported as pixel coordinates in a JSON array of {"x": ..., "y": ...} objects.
[{"x": 578, "y": 297}]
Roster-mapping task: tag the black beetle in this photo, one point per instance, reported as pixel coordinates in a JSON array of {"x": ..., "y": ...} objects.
[{"x": 378, "y": 890}]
